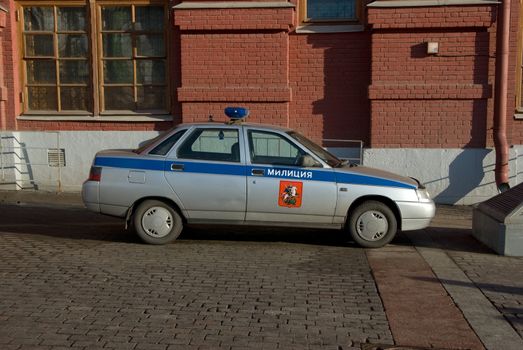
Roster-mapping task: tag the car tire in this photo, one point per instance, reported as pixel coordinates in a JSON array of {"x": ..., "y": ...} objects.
[
  {"x": 372, "y": 224},
  {"x": 156, "y": 222}
]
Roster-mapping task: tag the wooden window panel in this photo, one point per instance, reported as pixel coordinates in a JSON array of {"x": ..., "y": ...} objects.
[
  {"x": 133, "y": 57},
  {"x": 55, "y": 54},
  {"x": 63, "y": 70}
]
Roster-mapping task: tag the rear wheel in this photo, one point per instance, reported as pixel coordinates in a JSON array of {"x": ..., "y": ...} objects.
[
  {"x": 372, "y": 224},
  {"x": 156, "y": 222}
]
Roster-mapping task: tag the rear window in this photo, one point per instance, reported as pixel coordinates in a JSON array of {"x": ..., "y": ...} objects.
[
  {"x": 164, "y": 147},
  {"x": 147, "y": 143}
]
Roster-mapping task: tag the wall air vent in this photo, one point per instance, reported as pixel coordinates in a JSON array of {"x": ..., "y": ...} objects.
[{"x": 56, "y": 157}]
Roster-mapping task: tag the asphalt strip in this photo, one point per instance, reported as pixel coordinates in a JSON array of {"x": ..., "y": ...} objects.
[{"x": 486, "y": 321}]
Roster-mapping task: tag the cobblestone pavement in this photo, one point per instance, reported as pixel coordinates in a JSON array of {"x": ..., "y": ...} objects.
[
  {"x": 74, "y": 279},
  {"x": 499, "y": 278}
]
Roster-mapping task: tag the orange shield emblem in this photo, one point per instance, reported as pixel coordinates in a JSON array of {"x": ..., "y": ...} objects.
[{"x": 290, "y": 194}]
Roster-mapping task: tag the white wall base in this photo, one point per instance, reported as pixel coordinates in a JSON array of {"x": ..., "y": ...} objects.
[
  {"x": 80, "y": 148},
  {"x": 453, "y": 176}
]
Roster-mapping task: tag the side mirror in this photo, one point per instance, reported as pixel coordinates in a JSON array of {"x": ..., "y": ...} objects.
[{"x": 309, "y": 162}]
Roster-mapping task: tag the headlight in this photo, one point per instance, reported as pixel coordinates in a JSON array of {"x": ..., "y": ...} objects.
[{"x": 423, "y": 194}]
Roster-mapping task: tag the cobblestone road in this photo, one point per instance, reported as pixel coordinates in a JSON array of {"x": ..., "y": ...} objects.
[
  {"x": 500, "y": 278},
  {"x": 73, "y": 279}
]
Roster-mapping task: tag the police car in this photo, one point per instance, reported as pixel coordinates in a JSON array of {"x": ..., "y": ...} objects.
[{"x": 250, "y": 174}]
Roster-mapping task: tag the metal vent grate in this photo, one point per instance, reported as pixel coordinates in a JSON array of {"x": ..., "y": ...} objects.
[
  {"x": 506, "y": 207},
  {"x": 56, "y": 157}
]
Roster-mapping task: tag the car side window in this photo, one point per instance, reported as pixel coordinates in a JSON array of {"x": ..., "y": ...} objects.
[
  {"x": 164, "y": 147},
  {"x": 211, "y": 144},
  {"x": 272, "y": 148}
]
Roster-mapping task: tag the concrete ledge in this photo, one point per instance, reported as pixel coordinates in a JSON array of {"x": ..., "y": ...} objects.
[
  {"x": 103, "y": 118},
  {"x": 232, "y": 5},
  {"x": 429, "y": 3}
]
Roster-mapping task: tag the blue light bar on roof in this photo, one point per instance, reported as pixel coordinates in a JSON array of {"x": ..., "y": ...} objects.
[{"x": 236, "y": 113}]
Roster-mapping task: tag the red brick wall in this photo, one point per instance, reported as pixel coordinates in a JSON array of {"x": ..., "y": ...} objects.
[
  {"x": 3, "y": 89},
  {"x": 378, "y": 85},
  {"x": 234, "y": 57},
  {"x": 514, "y": 127},
  {"x": 436, "y": 101},
  {"x": 329, "y": 77},
  {"x": 432, "y": 17},
  {"x": 10, "y": 67}
]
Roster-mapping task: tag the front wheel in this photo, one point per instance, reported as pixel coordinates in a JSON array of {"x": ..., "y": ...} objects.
[
  {"x": 156, "y": 222},
  {"x": 372, "y": 224}
]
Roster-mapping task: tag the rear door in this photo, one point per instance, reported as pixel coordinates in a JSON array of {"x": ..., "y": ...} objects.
[
  {"x": 207, "y": 173},
  {"x": 279, "y": 190}
]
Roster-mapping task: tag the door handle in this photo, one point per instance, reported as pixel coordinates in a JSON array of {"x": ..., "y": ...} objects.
[
  {"x": 176, "y": 167},
  {"x": 257, "y": 172}
]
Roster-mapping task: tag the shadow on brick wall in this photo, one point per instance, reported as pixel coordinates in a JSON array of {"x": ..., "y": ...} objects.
[{"x": 346, "y": 76}]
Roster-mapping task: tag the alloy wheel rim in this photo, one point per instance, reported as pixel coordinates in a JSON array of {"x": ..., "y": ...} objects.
[
  {"x": 157, "y": 222},
  {"x": 372, "y": 225}
]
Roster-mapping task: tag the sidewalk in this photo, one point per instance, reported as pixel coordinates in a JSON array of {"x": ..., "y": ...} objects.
[
  {"x": 41, "y": 198},
  {"x": 440, "y": 287}
]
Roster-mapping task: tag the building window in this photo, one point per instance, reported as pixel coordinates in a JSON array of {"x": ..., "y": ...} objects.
[
  {"x": 103, "y": 58},
  {"x": 56, "y": 59},
  {"x": 330, "y": 10}
]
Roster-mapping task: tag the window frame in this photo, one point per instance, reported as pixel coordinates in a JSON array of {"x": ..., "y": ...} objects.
[
  {"x": 200, "y": 131},
  {"x": 359, "y": 11},
  {"x": 252, "y": 161},
  {"x": 176, "y": 136},
  {"x": 94, "y": 84}
]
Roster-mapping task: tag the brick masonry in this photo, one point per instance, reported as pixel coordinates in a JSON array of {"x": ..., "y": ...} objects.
[
  {"x": 371, "y": 85},
  {"x": 440, "y": 100}
]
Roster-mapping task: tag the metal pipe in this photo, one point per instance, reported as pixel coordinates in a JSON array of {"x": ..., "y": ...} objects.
[{"x": 500, "y": 102}]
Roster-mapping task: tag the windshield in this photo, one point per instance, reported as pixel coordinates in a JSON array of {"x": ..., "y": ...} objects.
[
  {"x": 145, "y": 144},
  {"x": 328, "y": 158}
]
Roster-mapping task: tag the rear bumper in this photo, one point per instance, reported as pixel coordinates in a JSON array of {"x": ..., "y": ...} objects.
[
  {"x": 91, "y": 195},
  {"x": 416, "y": 215}
]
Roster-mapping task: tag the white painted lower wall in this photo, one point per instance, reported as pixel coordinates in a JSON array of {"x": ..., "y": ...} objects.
[
  {"x": 80, "y": 148},
  {"x": 453, "y": 176}
]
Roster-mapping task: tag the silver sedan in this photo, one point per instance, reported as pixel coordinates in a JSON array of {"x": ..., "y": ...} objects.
[{"x": 250, "y": 174}]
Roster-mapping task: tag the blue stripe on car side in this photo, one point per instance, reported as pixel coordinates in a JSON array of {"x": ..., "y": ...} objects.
[
  {"x": 245, "y": 170},
  {"x": 210, "y": 168},
  {"x": 131, "y": 163}
]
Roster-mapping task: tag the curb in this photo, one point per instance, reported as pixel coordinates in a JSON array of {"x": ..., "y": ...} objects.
[{"x": 70, "y": 199}]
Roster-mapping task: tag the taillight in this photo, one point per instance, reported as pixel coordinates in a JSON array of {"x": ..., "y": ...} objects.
[{"x": 95, "y": 174}]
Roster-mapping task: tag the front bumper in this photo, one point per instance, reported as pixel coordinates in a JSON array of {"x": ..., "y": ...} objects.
[{"x": 416, "y": 215}]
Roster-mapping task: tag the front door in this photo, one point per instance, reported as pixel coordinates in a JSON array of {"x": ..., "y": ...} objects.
[
  {"x": 279, "y": 190},
  {"x": 207, "y": 174}
]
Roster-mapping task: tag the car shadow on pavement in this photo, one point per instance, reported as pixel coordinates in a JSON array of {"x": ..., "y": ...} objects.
[
  {"x": 446, "y": 238},
  {"x": 78, "y": 223},
  {"x": 321, "y": 237},
  {"x": 67, "y": 223}
]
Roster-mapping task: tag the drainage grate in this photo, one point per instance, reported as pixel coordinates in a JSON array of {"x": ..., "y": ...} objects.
[{"x": 56, "y": 157}]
